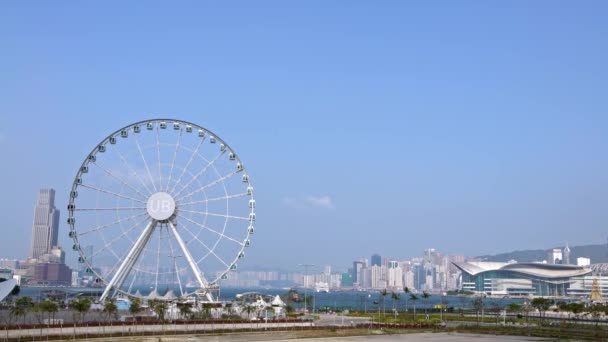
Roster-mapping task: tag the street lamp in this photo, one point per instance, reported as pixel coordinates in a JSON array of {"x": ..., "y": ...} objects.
[{"x": 306, "y": 266}]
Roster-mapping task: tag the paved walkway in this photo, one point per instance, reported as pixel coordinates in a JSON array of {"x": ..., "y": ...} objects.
[{"x": 147, "y": 329}]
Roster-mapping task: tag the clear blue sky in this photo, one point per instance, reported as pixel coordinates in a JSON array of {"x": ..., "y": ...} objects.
[{"x": 473, "y": 127}]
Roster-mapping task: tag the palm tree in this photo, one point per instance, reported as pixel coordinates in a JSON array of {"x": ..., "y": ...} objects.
[
  {"x": 478, "y": 305},
  {"x": 135, "y": 307},
  {"x": 159, "y": 307},
  {"x": 414, "y": 298},
  {"x": 250, "y": 308},
  {"x": 383, "y": 293},
  {"x": 110, "y": 309},
  {"x": 22, "y": 306},
  {"x": 395, "y": 297},
  {"x": 50, "y": 308},
  {"x": 425, "y": 299},
  {"x": 81, "y": 306},
  {"x": 406, "y": 290},
  {"x": 185, "y": 310}
]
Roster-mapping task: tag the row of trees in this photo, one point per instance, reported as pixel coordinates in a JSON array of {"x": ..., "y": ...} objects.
[
  {"x": 48, "y": 309},
  {"x": 409, "y": 296}
]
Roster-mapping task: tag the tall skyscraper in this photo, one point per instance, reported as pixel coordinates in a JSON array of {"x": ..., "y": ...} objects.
[
  {"x": 376, "y": 260},
  {"x": 554, "y": 256},
  {"x": 357, "y": 266},
  {"x": 46, "y": 224},
  {"x": 567, "y": 254}
]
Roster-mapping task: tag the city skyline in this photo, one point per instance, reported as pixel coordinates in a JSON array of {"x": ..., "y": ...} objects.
[
  {"x": 45, "y": 226},
  {"x": 429, "y": 271},
  {"x": 472, "y": 128}
]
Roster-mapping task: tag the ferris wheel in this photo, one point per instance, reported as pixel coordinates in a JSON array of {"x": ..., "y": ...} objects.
[{"x": 161, "y": 209}]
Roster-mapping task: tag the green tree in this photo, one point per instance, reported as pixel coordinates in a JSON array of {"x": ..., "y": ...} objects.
[
  {"x": 406, "y": 290},
  {"x": 81, "y": 306},
  {"x": 596, "y": 312},
  {"x": 110, "y": 309},
  {"x": 50, "y": 308},
  {"x": 206, "y": 313},
  {"x": 514, "y": 308},
  {"x": 185, "y": 310},
  {"x": 542, "y": 305},
  {"x": 159, "y": 307},
  {"x": 383, "y": 294},
  {"x": 414, "y": 298},
  {"x": 250, "y": 308},
  {"x": 425, "y": 299},
  {"x": 395, "y": 297},
  {"x": 22, "y": 306},
  {"x": 135, "y": 307},
  {"x": 478, "y": 306}
]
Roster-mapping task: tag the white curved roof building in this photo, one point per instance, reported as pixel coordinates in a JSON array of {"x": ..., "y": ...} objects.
[
  {"x": 6, "y": 287},
  {"x": 499, "y": 278}
]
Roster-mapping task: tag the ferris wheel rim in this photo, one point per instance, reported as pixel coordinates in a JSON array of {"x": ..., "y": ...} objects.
[{"x": 157, "y": 121}]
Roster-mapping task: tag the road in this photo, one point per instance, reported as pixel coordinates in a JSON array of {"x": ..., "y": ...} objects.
[
  {"x": 287, "y": 337},
  {"x": 332, "y": 319}
]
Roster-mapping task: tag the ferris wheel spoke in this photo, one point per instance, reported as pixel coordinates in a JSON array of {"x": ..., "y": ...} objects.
[
  {"x": 118, "y": 208},
  {"x": 130, "y": 259},
  {"x": 111, "y": 193},
  {"x": 193, "y": 265},
  {"x": 139, "y": 178},
  {"x": 143, "y": 158},
  {"x": 138, "y": 269},
  {"x": 118, "y": 238},
  {"x": 216, "y": 215},
  {"x": 195, "y": 237},
  {"x": 120, "y": 180},
  {"x": 98, "y": 228},
  {"x": 160, "y": 174},
  {"x": 214, "y": 231},
  {"x": 208, "y": 185},
  {"x": 199, "y": 174},
  {"x": 194, "y": 153},
  {"x": 179, "y": 139},
  {"x": 160, "y": 231},
  {"x": 175, "y": 269},
  {"x": 215, "y": 199}
]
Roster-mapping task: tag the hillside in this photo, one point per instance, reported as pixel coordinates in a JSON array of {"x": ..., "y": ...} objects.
[{"x": 597, "y": 254}]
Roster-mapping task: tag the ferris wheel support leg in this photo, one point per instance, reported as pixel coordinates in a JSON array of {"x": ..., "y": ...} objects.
[
  {"x": 130, "y": 260},
  {"x": 197, "y": 271}
]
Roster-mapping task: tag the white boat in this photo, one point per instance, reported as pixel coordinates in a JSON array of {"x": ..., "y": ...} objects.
[{"x": 322, "y": 287}]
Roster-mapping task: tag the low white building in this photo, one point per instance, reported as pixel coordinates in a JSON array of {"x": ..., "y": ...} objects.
[{"x": 583, "y": 261}]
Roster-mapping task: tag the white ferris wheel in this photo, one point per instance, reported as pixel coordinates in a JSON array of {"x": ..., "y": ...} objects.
[{"x": 161, "y": 209}]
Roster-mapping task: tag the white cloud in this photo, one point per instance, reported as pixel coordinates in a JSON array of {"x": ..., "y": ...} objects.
[
  {"x": 309, "y": 202},
  {"x": 321, "y": 201}
]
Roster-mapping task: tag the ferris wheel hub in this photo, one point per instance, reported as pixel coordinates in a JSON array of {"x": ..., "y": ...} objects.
[{"x": 160, "y": 206}]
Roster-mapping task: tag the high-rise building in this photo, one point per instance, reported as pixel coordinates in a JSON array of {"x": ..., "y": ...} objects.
[
  {"x": 357, "y": 266},
  {"x": 378, "y": 277},
  {"x": 46, "y": 224},
  {"x": 376, "y": 260},
  {"x": 554, "y": 256},
  {"x": 395, "y": 275},
  {"x": 567, "y": 254}
]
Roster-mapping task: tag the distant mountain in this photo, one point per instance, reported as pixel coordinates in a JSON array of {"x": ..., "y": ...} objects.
[{"x": 597, "y": 254}]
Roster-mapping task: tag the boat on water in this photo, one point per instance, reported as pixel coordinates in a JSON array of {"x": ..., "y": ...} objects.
[{"x": 322, "y": 287}]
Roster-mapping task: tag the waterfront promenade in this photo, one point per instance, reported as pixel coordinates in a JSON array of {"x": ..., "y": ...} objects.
[{"x": 88, "y": 331}]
